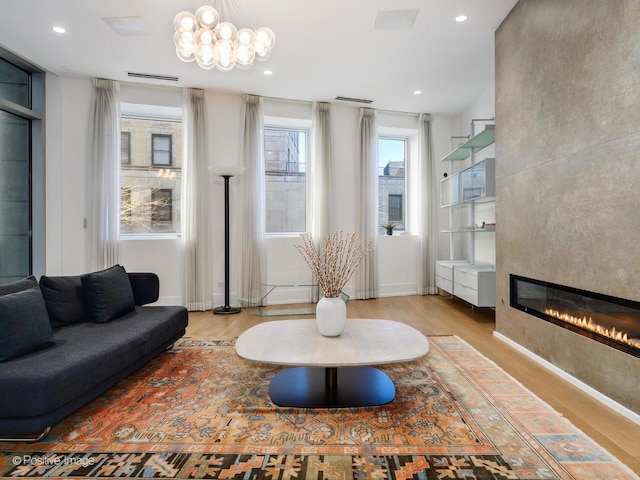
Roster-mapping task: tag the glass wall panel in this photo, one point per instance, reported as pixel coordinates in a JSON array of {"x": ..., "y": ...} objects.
[
  {"x": 15, "y": 208},
  {"x": 14, "y": 84}
]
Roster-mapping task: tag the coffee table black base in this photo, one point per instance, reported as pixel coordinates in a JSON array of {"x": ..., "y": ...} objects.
[{"x": 313, "y": 387}]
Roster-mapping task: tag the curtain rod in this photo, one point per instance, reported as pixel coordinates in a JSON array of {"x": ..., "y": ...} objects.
[
  {"x": 308, "y": 102},
  {"x": 397, "y": 112},
  {"x": 290, "y": 100},
  {"x": 172, "y": 88},
  {"x": 277, "y": 99}
]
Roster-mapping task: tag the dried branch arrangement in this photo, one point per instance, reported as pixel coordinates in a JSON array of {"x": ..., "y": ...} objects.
[{"x": 336, "y": 261}]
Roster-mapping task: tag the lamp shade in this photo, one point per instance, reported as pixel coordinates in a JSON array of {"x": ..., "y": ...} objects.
[{"x": 226, "y": 170}]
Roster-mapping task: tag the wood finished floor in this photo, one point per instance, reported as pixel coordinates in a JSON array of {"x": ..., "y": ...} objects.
[{"x": 438, "y": 315}]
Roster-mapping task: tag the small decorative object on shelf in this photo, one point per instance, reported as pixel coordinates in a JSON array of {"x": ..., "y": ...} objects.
[
  {"x": 489, "y": 226},
  {"x": 389, "y": 227},
  {"x": 333, "y": 265}
]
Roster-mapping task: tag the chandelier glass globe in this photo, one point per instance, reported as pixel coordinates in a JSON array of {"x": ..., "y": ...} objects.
[{"x": 203, "y": 38}]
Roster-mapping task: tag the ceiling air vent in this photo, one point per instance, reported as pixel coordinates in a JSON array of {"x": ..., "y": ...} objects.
[
  {"x": 152, "y": 76},
  {"x": 356, "y": 100}
]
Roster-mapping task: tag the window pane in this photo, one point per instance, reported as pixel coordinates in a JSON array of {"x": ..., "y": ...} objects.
[
  {"x": 392, "y": 153},
  {"x": 395, "y": 208},
  {"x": 161, "y": 149},
  {"x": 15, "y": 198},
  {"x": 126, "y": 207},
  {"x": 162, "y": 206},
  {"x": 151, "y": 190},
  {"x": 125, "y": 147},
  {"x": 286, "y": 180},
  {"x": 14, "y": 84}
]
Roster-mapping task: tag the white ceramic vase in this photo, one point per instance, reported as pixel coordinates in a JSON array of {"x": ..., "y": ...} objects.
[{"x": 331, "y": 316}]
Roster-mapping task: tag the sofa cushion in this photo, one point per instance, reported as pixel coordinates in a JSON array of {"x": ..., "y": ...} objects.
[
  {"x": 18, "y": 286},
  {"x": 108, "y": 294},
  {"x": 64, "y": 298},
  {"x": 24, "y": 324}
]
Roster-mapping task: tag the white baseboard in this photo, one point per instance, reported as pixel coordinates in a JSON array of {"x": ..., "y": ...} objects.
[
  {"x": 621, "y": 409},
  {"x": 168, "y": 301},
  {"x": 397, "y": 289}
]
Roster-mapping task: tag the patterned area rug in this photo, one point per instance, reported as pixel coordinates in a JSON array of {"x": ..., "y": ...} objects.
[{"x": 200, "y": 411}]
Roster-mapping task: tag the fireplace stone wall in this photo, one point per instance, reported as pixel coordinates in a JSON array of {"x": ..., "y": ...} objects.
[{"x": 568, "y": 172}]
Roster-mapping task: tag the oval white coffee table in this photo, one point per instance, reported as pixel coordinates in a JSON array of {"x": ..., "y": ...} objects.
[{"x": 331, "y": 372}]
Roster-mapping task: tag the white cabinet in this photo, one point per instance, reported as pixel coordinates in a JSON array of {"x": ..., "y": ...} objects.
[
  {"x": 445, "y": 273},
  {"x": 475, "y": 284}
]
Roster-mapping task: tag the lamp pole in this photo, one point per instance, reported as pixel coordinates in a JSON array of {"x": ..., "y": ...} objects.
[{"x": 226, "y": 309}]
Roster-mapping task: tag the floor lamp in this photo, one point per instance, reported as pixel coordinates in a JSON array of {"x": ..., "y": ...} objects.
[{"x": 226, "y": 173}]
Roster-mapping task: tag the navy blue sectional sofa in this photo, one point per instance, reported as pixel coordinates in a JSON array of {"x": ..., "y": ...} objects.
[{"x": 65, "y": 340}]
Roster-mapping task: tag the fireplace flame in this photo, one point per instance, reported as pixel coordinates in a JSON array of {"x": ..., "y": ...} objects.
[{"x": 589, "y": 324}]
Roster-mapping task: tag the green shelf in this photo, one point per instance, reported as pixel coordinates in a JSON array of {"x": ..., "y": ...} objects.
[
  {"x": 480, "y": 141},
  {"x": 458, "y": 154}
]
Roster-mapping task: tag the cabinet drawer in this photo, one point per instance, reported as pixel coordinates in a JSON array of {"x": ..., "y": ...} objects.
[
  {"x": 444, "y": 271},
  {"x": 480, "y": 294},
  {"x": 444, "y": 268},
  {"x": 465, "y": 293},
  {"x": 444, "y": 283},
  {"x": 468, "y": 278},
  {"x": 471, "y": 276}
]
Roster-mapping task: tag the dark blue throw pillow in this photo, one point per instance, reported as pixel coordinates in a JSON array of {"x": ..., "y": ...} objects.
[
  {"x": 64, "y": 298},
  {"x": 107, "y": 294},
  {"x": 19, "y": 286},
  {"x": 24, "y": 324}
]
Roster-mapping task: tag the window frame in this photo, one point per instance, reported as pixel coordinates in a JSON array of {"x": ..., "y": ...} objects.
[
  {"x": 406, "y": 138},
  {"x": 164, "y": 113},
  {"x": 299, "y": 125},
  {"x": 34, "y": 114},
  {"x": 158, "y": 136}
]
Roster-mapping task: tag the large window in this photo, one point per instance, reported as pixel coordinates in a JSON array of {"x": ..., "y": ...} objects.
[
  {"x": 150, "y": 180},
  {"x": 286, "y": 179},
  {"x": 392, "y": 158},
  {"x": 21, "y": 170}
]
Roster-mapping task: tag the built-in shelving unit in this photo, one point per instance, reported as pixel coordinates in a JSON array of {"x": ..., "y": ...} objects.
[
  {"x": 474, "y": 283},
  {"x": 474, "y": 184}
]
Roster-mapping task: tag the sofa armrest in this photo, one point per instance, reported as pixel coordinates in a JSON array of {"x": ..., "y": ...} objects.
[{"x": 145, "y": 286}]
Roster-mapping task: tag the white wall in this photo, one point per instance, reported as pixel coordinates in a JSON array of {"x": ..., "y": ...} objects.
[
  {"x": 67, "y": 239},
  {"x": 67, "y": 118}
]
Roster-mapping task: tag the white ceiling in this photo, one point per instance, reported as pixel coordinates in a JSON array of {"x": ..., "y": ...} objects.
[{"x": 324, "y": 49}]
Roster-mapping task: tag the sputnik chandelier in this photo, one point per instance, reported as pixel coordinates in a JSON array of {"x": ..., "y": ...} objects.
[{"x": 211, "y": 43}]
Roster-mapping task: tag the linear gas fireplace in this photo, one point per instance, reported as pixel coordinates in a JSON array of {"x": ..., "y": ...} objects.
[{"x": 609, "y": 320}]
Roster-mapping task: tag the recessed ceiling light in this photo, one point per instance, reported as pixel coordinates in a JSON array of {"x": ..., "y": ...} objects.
[
  {"x": 268, "y": 72},
  {"x": 417, "y": 92},
  {"x": 59, "y": 29},
  {"x": 461, "y": 18}
]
